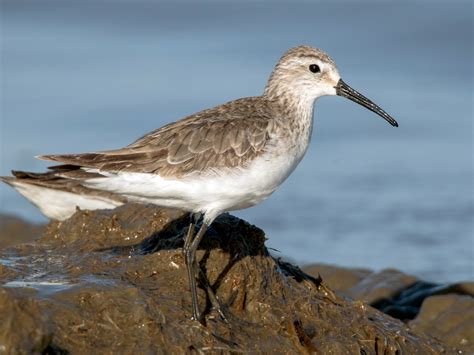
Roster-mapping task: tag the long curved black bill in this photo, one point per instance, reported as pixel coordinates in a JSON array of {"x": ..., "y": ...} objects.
[{"x": 344, "y": 90}]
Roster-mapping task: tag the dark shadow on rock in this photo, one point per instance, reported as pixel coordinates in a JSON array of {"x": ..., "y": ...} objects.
[
  {"x": 407, "y": 304},
  {"x": 228, "y": 233},
  {"x": 52, "y": 349}
]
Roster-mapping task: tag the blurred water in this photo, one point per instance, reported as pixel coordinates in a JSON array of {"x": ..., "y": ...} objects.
[{"x": 94, "y": 75}]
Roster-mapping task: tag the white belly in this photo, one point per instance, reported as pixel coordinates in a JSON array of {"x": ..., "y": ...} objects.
[{"x": 218, "y": 191}]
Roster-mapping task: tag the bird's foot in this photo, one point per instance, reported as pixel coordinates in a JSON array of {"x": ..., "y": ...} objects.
[{"x": 216, "y": 306}]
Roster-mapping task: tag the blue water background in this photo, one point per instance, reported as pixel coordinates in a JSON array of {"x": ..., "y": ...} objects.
[{"x": 93, "y": 75}]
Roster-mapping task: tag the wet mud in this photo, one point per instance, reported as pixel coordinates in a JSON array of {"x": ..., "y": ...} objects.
[{"x": 115, "y": 282}]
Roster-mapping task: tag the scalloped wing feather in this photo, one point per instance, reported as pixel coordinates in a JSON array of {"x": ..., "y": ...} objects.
[{"x": 226, "y": 136}]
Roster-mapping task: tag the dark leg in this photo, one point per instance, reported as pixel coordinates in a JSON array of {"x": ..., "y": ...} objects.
[
  {"x": 197, "y": 270},
  {"x": 189, "y": 244},
  {"x": 189, "y": 236},
  {"x": 190, "y": 257},
  {"x": 212, "y": 296}
]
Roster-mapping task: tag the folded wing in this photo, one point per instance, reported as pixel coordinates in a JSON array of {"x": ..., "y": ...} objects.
[{"x": 195, "y": 144}]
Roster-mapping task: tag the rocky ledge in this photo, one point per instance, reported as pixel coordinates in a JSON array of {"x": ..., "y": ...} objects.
[{"x": 115, "y": 281}]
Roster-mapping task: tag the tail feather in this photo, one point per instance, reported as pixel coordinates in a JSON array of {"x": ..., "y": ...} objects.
[
  {"x": 57, "y": 193},
  {"x": 35, "y": 176},
  {"x": 84, "y": 159},
  {"x": 64, "y": 167},
  {"x": 67, "y": 159},
  {"x": 7, "y": 180}
]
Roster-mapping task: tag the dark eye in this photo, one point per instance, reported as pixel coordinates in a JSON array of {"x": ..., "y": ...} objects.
[{"x": 314, "y": 68}]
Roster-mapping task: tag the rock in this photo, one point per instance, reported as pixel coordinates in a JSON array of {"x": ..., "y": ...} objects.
[
  {"x": 115, "y": 281},
  {"x": 381, "y": 285},
  {"x": 449, "y": 318},
  {"x": 391, "y": 291},
  {"x": 406, "y": 305},
  {"x": 23, "y": 327},
  {"x": 461, "y": 288},
  {"x": 14, "y": 230},
  {"x": 363, "y": 284},
  {"x": 370, "y": 287},
  {"x": 339, "y": 279}
]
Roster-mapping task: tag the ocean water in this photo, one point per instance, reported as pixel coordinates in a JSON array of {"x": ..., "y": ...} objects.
[{"x": 93, "y": 75}]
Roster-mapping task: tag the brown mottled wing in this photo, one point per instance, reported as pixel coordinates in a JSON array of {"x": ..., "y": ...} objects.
[{"x": 227, "y": 136}]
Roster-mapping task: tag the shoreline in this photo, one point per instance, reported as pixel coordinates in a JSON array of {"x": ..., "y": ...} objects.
[{"x": 97, "y": 252}]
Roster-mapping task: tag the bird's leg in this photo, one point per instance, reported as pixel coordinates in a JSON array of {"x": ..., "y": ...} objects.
[
  {"x": 186, "y": 250},
  {"x": 189, "y": 236},
  {"x": 197, "y": 270},
  {"x": 189, "y": 250},
  {"x": 187, "y": 244},
  {"x": 212, "y": 296}
]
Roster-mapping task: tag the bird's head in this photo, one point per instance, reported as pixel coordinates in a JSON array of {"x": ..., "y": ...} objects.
[{"x": 304, "y": 74}]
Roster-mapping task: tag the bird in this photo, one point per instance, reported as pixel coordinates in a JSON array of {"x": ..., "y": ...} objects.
[{"x": 226, "y": 158}]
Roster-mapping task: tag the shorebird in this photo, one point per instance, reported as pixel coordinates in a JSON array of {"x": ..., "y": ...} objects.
[{"x": 226, "y": 158}]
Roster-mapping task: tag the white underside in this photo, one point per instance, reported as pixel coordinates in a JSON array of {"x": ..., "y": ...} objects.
[
  {"x": 216, "y": 192},
  {"x": 60, "y": 205}
]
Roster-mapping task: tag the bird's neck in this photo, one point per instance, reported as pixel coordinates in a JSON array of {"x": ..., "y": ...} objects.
[
  {"x": 294, "y": 122},
  {"x": 294, "y": 108}
]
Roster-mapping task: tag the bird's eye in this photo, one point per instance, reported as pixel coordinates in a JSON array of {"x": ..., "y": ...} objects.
[{"x": 314, "y": 68}]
